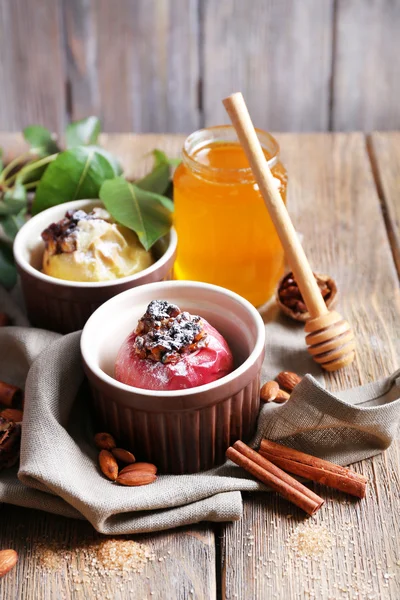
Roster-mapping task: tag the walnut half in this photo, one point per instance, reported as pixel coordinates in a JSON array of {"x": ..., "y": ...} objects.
[{"x": 291, "y": 302}]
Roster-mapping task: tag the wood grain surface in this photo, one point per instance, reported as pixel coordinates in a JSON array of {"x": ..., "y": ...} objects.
[
  {"x": 134, "y": 64},
  {"x": 278, "y": 54},
  {"x": 366, "y": 73},
  {"x": 334, "y": 201},
  {"x": 182, "y": 564},
  {"x": 385, "y": 155},
  {"x": 164, "y": 65},
  {"x": 31, "y": 65}
]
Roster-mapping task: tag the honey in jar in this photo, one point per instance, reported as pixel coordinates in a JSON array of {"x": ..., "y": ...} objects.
[{"x": 225, "y": 234}]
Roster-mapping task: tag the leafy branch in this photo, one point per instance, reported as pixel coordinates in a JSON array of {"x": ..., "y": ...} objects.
[{"x": 82, "y": 170}]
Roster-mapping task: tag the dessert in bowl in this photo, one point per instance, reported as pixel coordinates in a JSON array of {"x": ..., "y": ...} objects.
[
  {"x": 171, "y": 349},
  {"x": 91, "y": 246},
  {"x": 71, "y": 258},
  {"x": 180, "y": 426}
]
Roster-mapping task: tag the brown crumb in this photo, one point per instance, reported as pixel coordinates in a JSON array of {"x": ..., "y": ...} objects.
[
  {"x": 310, "y": 540},
  {"x": 122, "y": 555},
  {"x": 105, "y": 557}
]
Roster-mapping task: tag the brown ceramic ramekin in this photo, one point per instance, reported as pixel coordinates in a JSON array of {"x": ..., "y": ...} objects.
[
  {"x": 183, "y": 431},
  {"x": 65, "y": 306}
]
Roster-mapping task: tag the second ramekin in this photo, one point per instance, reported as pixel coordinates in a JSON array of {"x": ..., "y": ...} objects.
[
  {"x": 182, "y": 431},
  {"x": 65, "y": 306}
]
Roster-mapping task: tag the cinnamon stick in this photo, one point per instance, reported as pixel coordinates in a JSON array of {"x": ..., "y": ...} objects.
[
  {"x": 10, "y": 395},
  {"x": 314, "y": 468},
  {"x": 275, "y": 478}
]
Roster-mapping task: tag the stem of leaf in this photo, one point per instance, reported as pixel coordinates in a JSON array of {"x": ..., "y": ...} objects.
[
  {"x": 31, "y": 167},
  {"x": 31, "y": 184},
  {"x": 14, "y": 163}
]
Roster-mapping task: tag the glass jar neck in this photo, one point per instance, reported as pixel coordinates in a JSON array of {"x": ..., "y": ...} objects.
[{"x": 225, "y": 134}]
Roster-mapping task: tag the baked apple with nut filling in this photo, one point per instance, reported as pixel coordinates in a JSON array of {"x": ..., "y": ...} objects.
[
  {"x": 92, "y": 247},
  {"x": 172, "y": 350}
]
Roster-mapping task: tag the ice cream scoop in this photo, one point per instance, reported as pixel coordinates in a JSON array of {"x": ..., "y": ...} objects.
[
  {"x": 92, "y": 247},
  {"x": 172, "y": 350}
]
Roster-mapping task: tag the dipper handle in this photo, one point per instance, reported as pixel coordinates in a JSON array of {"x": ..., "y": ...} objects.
[{"x": 239, "y": 115}]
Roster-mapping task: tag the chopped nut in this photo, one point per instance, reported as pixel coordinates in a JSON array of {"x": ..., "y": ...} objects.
[
  {"x": 164, "y": 333},
  {"x": 291, "y": 302}
]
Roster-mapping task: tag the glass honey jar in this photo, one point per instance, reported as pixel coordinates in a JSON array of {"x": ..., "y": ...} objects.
[{"x": 225, "y": 234}]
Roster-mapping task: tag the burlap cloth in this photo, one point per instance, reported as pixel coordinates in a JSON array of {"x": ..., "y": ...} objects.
[{"x": 58, "y": 468}]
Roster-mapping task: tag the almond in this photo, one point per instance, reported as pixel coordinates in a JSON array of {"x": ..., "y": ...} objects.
[
  {"x": 132, "y": 478},
  {"x": 8, "y": 560},
  {"x": 104, "y": 441},
  {"x": 269, "y": 391},
  {"x": 140, "y": 466},
  {"x": 288, "y": 380},
  {"x": 12, "y": 414},
  {"x": 282, "y": 396},
  {"x": 123, "y": 456},
  {"x": 108, "y": 465}
]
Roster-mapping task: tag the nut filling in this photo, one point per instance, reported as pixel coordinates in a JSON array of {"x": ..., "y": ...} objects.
[
  {"x": 165, "y": 334},
  {"x": 60, "y": 237}
]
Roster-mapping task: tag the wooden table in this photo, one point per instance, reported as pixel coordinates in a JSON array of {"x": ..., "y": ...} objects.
[{"x": 344, "y": 197}]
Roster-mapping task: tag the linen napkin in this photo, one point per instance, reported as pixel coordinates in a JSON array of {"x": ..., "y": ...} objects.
[{"x": 58, "y": 467}]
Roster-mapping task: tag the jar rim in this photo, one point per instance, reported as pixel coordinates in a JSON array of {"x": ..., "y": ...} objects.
[{"x": 201, "y": 137}]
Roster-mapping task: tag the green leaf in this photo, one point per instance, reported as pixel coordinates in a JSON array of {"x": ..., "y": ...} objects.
[
  {"x": 174, "y": 162},
  {"x": 8, "y": 271},
  {"x": 75, "y": 174},
  {"x": 148, "y": 214},
  {"x": 34, "y": 170},
  {"x": 15, "y": 200},
  {"x": 83, "y": 133},
  {"x": 1, "y": 159},
  {"x": 158, "y": 179},
  {"x": 114, "y": 162},
  {"x": 32, "y": 175},
  {"x": 41, "y": 140},
  {"x": 11, "y": 224},
  {"x": 18, "y": 192},
  {"x": 160, "y": 157}
]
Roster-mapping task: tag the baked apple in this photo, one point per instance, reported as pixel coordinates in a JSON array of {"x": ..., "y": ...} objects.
[
  {"x": 92, "y": 247},
  {"x": 172, "y": 350}
]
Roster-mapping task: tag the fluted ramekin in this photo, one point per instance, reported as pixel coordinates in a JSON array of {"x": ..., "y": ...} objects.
[
  {"x": 182, "y": 431},
  {"x": 65, "y": 306}
]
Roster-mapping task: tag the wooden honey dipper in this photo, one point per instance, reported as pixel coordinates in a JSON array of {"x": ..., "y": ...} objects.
[{"x": 329, "y": 338}]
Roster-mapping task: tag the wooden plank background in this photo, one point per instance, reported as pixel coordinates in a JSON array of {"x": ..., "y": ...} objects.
[{"x": 164, "y": 65}]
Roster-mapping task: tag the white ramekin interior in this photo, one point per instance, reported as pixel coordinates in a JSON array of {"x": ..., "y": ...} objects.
[
  {"x": 29, "y": 246},
  {"x": 233, "y": 316}
]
